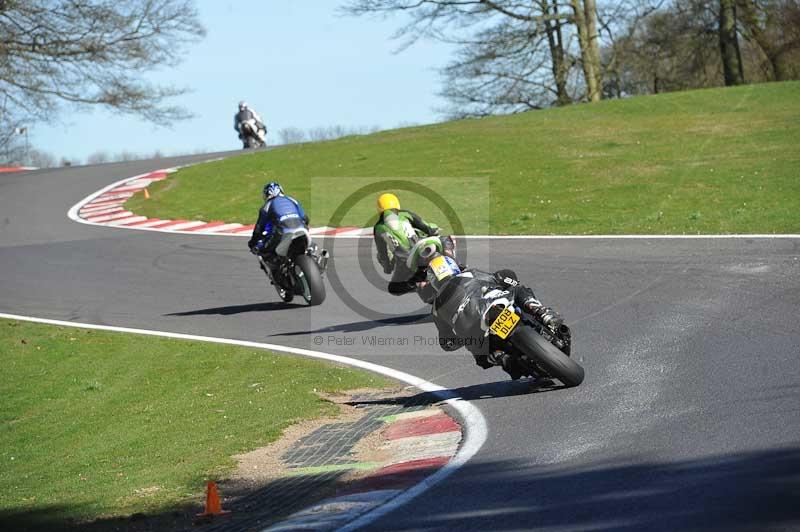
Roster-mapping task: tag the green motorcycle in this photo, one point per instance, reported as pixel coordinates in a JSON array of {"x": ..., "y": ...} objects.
[{"x": 410, "y": 251}]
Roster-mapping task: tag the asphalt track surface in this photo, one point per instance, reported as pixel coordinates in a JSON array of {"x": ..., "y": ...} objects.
[{"x": 689, "y": 417}]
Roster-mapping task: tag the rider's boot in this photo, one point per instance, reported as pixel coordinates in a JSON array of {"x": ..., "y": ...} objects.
[
  {"x": 546, "y": 315},
  {"x": 508, "y": 363},
  {"x": 484, "y": 362}
]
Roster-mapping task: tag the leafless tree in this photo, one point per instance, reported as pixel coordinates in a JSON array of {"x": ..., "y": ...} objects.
[
  {"x": 125, "y": 156},
  {"x": 40, "y": 159},
  {"x": 317, "y": 134},
  {"x": 13, "y": 130},
  {"x": 91, "y": 52},
  {"x": 729, "y": 43},
  {"x": 98, "y": 157},
  {"x": 584, "y": 15},
  {"x": 674, "y": 48},
  {"x": 321, "y": 133},
  {"x": 291, "y": 135},
  {"x": 504, "y": 68},
  {"x": 677, "y": 46},
  {"x": 512, "y": 55},
  {"x": 617, "y": 21},
  {"x": 774, "y": 26}
]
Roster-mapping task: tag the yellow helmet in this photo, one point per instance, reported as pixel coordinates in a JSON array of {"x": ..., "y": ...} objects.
[{"x": 388, "y": 201}]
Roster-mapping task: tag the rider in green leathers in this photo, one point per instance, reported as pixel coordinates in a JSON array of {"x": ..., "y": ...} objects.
[{"x": 395, "y": 233}]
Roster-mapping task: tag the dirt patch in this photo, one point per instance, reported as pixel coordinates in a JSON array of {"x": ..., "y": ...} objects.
[
  {"x": 257, "y": 468},
  {"x": 262, "y": 472}
]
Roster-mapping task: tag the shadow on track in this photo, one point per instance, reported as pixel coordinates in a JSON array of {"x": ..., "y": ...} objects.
[
  {"x": 732, "y": 492},
  {"x": 474, "y": 392},
  {"x": 239, "y": 309},
  {"x": 367, "y": 325},
  {"x": 743, "y": 491}
]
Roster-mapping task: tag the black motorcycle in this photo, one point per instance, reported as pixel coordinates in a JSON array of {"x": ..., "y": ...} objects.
[
  {"x": 542, "y": 349},
  {"x": 301, "y": 265}
]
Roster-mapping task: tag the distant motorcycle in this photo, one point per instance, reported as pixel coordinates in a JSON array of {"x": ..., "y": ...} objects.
[
  {"x": 252, "y": 135},
  {"x": 302, "y": 265}
]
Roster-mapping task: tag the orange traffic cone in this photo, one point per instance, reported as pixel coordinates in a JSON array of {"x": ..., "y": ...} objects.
[
  {"x": 146, "y": 194},
  {"x": 213, "y": 504}
]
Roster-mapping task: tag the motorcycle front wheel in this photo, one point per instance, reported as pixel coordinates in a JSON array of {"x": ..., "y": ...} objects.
[
  {"x": 547, "y": 356},
  {"x": 309, "y": 280}
]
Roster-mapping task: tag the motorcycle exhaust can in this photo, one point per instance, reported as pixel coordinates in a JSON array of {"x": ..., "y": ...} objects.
[{"x": 322, "y": 261}]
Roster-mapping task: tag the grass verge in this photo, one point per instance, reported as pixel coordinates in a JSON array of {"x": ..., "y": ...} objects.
[
  {"x": 708, "y": 161},
  {"x": 96, "y": 424}
]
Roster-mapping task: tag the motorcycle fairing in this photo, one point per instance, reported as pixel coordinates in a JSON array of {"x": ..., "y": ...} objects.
[{"x": 288, "y": 236}]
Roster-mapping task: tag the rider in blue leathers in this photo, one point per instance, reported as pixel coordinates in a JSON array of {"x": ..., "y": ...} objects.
[{"x": 279, "y": 212}]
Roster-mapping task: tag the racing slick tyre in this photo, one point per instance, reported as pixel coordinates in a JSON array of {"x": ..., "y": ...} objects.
[
  {"x": 547, "y": 356},
  {"x": 309, "y": 280}
]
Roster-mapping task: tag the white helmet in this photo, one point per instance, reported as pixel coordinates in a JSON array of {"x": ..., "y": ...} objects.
[{"x": 242, "y": 105}]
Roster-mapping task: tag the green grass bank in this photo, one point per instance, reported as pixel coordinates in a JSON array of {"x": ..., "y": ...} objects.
[
  {"x": 97, "y": 424},
  {"x": 708, "y": 161}
]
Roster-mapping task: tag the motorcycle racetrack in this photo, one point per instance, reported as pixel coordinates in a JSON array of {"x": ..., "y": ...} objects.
[{"x": 689, "y": 417}]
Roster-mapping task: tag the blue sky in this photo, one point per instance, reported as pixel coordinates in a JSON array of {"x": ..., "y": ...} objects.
[{"x": 299, "y": 64}]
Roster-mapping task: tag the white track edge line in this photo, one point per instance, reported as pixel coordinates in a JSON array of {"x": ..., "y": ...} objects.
[
  {"x": 625, "y": 237},
  {"x": 475, "y": 428}
]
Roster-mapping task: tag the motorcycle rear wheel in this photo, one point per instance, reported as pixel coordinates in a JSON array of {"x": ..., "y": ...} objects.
[
  {"x": 309, "y": 280},
  {"x": 548, "y": 357}
]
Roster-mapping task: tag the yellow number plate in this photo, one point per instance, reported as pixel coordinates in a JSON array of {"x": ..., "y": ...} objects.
[{"x": 505, "y": 323}]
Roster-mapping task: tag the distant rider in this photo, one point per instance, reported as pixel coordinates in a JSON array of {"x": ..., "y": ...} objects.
[
  {"x": 459, "y": 305},
  {"x": 246, "y": 113},
  {"x": 395, "y": 233},
  {"x": 279, "y": 213}
]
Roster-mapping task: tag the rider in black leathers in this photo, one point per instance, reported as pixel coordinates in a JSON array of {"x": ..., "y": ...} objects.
[{"x": 458, "y": 309}]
